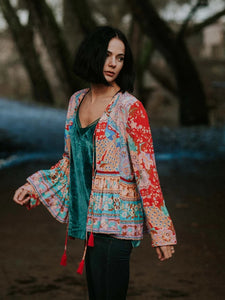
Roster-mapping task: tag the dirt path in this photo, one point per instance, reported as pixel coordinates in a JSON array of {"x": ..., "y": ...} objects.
[{"x": 32, "y": 242}]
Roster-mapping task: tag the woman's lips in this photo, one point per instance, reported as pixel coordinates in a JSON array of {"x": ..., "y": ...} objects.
[{"x": 108, "y": 73}]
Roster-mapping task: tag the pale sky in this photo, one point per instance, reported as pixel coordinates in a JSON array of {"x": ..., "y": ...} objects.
[
  {"x": 179, "y": 12},
  {"x": 171, "y": 12}
]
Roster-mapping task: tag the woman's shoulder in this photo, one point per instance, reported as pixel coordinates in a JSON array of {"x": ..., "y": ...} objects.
[
  {"x": 77, "y": 94},
  {"x": 128, "y": 101},
  {"x": 74, "y": 99},
  {"x": 74, "y": 102}
]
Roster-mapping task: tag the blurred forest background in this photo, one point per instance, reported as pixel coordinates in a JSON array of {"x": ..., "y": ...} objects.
[{"x": 178, "y": 46}]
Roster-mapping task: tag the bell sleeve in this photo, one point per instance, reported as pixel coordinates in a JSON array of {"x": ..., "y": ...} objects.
[{"x": 52, "y": 186}]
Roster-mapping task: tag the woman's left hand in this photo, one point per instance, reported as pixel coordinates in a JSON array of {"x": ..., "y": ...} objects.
[{"x": 165, "y": 252}]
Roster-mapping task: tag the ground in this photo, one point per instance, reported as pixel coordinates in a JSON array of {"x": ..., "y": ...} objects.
[{"x": 32, "y": 241}]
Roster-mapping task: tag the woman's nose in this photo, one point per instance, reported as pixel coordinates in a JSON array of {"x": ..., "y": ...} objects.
[{"x": 112, "y": 62}]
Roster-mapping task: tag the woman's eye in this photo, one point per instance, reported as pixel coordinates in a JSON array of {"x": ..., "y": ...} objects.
[{"x": 121, "y": 59}]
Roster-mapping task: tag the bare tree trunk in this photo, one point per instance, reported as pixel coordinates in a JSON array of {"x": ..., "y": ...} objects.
[
  {"x": 136, "y": 38},
  {"x": 193, "y": 109},
  {"x": 77, "y": 21},
  {"x": 23, "y": 37},
  {"x": 56, "y": 46},
  {"x": 142, "y": 50},
  {"x": 71, "y": 28},
  {"x": 83, "y": 13}
]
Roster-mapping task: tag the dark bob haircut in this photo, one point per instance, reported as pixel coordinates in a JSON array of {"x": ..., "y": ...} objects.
[{"x": 91, "y": 55}]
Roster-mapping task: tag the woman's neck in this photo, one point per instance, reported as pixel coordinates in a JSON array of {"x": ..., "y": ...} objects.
[{"x": 101, "y": 91}]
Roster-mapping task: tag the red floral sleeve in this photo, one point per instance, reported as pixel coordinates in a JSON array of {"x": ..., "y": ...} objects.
[{"x": 143, "y": 161}]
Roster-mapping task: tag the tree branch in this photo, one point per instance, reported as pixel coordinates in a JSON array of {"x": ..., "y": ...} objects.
[
  {"x": 187, "y": 20},
  {"x": 12, "y": 19},
  {"x": 198, "y": 27}
]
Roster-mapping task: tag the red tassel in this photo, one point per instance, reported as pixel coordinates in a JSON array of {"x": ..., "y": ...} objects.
[
  {"x": 91, "y": 240},
  {"x": 64, "y": 259},
  {"x": 81, "y": 267}
]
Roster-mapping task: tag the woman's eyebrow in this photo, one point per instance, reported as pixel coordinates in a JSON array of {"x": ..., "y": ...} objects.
[{"x": 122, "y": 54}]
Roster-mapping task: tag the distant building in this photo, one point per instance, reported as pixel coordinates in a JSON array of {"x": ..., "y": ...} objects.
[{"x": 214, "y": 41}]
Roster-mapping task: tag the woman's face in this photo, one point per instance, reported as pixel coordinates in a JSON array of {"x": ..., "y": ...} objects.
[{"x": 114, "y": 60}]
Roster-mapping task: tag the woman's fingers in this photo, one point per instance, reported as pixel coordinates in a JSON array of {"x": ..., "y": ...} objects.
[
  {"x": 20, "y": 196},
  {"x": 159, "y": 253},
  {"x": 17, "y": 195},
  {"x": 165, "y": 252},
  {"x": 25, "y": 200}
]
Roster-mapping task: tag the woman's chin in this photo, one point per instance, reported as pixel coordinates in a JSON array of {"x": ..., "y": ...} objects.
[{"x": 110, "y": 80}]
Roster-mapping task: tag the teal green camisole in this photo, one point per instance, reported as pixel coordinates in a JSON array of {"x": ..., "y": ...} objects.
[
  {"x": 82, "y": 152},
  {"x": 80, "y": 177}
]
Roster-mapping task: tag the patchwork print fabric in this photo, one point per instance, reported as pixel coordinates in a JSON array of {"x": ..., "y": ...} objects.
[{"x": 126, "y": 195}]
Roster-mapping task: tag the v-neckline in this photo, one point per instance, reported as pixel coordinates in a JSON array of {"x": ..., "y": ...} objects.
[
  {"x": 105, "y": 110},
  {"x": 89, "y": 125}
]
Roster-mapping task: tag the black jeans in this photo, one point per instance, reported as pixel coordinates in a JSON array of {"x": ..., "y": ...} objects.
[{"x": 107, "y": 268}]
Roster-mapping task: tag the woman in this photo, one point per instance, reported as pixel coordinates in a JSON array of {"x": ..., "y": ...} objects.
[{"x": 106, "y": 186}]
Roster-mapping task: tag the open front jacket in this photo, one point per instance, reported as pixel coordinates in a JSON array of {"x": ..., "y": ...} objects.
[{"x": 126, "y": 197}]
